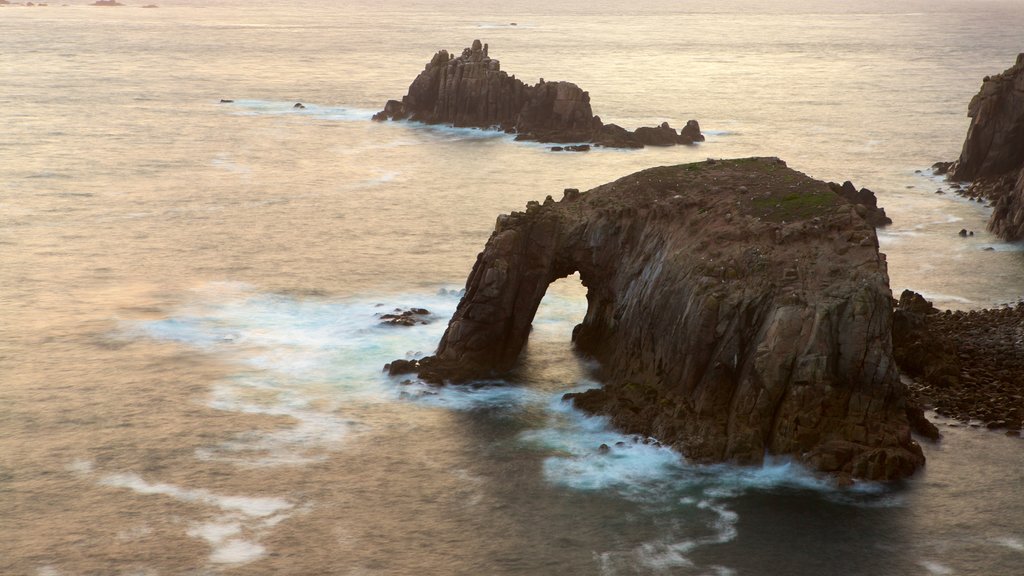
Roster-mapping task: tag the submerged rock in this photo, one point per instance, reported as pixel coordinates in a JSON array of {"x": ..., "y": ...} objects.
[
  {"x": 471, "y": 90},
  {"x": 993, "y": 152},
  {"x": 738, "y": 308},
  {"x": 410, "y": 317}
]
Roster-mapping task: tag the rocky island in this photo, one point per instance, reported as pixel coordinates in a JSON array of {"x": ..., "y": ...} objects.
[
  {"x": 737, "y": 309},
  {"x": 993, "y": 153},
  {"x": 471, "y": 90}
]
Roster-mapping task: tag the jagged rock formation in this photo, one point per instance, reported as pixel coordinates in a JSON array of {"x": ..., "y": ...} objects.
[
  {"x": 993, "y": 153},
  {"x": 471, "y": 90},
  {"x": 873, "y": 213},
  {"x": 737, "y": 308}
]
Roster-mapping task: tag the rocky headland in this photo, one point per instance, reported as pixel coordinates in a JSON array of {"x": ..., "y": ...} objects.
[
  {"x": 737, "y": 309},
  {"x": 992, "y": 158},
  {"x": 471, "y": 90}
]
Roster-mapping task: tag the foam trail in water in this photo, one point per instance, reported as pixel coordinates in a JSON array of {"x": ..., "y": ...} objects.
[
  {"x": 265, "y": 108},
  {"x": 317, "y": 360},
  {"x": 935, "y": 568},
  {"x": 225, "y": 535},
  {"x": 1011, "y": 543},
  {"x": 313, "y": 360}
]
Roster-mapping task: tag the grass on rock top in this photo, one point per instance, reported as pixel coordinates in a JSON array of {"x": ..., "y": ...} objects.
[{"x": 763, "y": 187}]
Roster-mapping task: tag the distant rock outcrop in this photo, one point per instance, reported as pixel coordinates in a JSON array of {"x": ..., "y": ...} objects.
[
  {"x": 993, "y": 153},
  {"x": 738, "y": 308},
  {"x": 471, "y": 90}
]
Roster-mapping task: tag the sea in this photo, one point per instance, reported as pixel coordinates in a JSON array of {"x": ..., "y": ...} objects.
[{"x": 191, "y": 289}]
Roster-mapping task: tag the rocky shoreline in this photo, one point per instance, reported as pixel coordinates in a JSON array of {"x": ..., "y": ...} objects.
[
  {"x": 965, "y": 365},
  {"x": 471, "y": 90}
]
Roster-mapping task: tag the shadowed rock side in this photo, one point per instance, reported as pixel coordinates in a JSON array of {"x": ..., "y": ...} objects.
[
  {"x": 993, "y": 153},
  {"x": 967, "y": 365},
  {"x": 471, "y": 90},
  {"x": 738, "y": 308}
]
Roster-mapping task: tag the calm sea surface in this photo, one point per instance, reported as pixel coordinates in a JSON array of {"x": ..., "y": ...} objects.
[{"x": 189, "y": 350}]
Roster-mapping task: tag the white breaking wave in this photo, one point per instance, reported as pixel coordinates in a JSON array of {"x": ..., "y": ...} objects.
[
  {"x": 313, "y": 358},
  {"x": 317, "y": 360}
]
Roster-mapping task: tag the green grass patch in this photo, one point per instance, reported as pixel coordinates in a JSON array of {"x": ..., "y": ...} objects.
[{"x": 795, "y": 205}]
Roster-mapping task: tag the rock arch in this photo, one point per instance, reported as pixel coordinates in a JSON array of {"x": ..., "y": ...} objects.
[{"x": 737, "y": 308}]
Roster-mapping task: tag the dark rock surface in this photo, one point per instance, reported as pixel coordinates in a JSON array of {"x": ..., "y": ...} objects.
[
  {"x": 993, "y": 152},
  {"x": 919, "y": 351},
  {"x": 738, "y": 308},
  {"x": 872, "y": 212},
  {"x": 410, "y": 317},
  {"x": 471, "y": 90},
  {"x": 966, "y": 365}
]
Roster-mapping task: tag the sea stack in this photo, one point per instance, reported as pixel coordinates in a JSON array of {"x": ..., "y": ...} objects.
[
  {"x": 471, "y": 90},
  {"x": 993, "y": 153},
  {"x": 737, "y": 309}
]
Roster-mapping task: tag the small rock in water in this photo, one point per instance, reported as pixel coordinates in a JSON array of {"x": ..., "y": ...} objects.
[
  {"x": 410, "y": 317},
  {"x": 603, "y": 449},
  {"x": 963, "y": 232},
  {"x": 225, "y": 101},
  {"x": 299, "y": 105},
  {"x": 988, "y": 249}
]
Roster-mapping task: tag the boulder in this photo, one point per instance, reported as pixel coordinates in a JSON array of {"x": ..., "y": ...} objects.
[
  {"x": 407, "y": 318},
  {"x": 736, "y": 308},
  {"x": 690, "y": 134},
  {"x": 663, "y": 135}
]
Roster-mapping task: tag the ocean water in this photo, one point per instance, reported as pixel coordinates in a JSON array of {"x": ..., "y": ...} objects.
[{"x": 190, "y": 348}]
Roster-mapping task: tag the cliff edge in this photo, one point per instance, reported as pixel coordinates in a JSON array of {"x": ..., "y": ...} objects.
[
  {"x": 993, "y": 152},
  {"x": 737, "y": 308},
  {"x": 471, "y": 90}
]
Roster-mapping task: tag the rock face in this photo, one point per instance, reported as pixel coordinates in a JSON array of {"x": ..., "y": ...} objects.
[
  {"x": 872, "y": 212},
  {"x": 737, "y": 308},
  {"x": 919, "y": 351},
  {"x": 471, "y": 90},
  {"x": 993, "y": 153},
  {"x": 966, "y": 365}
]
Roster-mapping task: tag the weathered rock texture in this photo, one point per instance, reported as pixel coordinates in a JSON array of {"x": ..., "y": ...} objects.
[
  {"x": 873, "y": 213},
  {"x": 737, "y": 308},
  {"x": 471, "y": 90},
  {"x": 993, "y": 153},
  {"x": 966, "y": 365}
]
